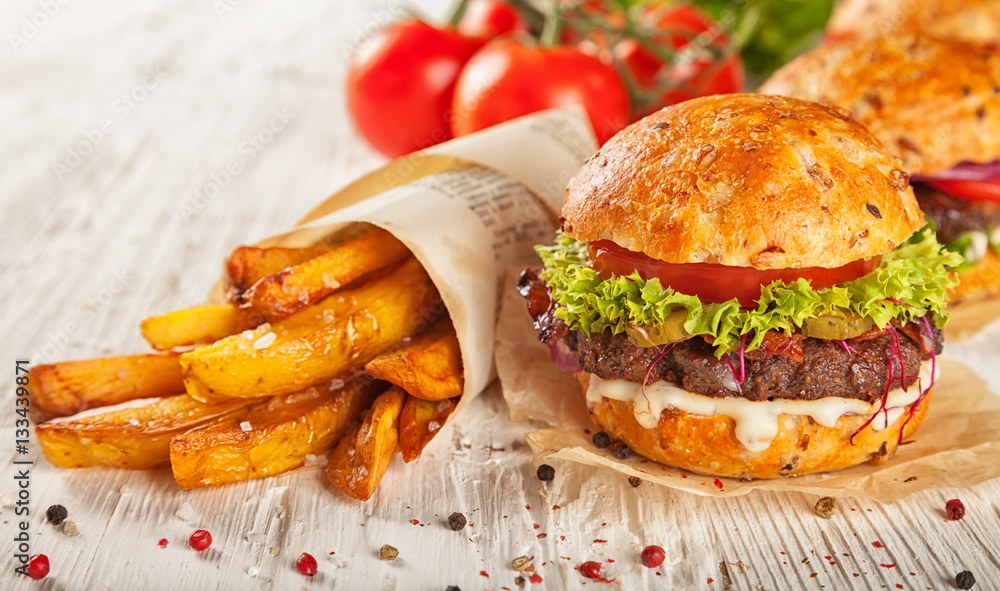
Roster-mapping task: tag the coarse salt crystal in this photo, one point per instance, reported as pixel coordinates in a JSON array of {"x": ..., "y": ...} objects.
[
  {"x": 336, "y": 384},
  {"x": 265, "y": 341},
  {"x": 246, "y": 426},
  {"x": 330, "y": 282},
  {"x": 433, "y": 426},
  {"x": 253, "y": 571},
  {"x": 247, "y": 334},
  {"x": 133, "y": 422},
  {"x": 329, "y": 316},
  {"x": 186, "y": 512}
]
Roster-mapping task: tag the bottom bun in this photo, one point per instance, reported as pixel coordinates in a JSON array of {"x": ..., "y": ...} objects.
[
  {"x": 708, "y": 445},
  {"x": 980, "y": 282}
]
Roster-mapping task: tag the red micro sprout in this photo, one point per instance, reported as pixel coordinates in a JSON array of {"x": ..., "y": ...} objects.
[
  {"x": 848, "y": 348},
  {"x": 649, "y": 370},
  {"x": 923, "y": 394}
]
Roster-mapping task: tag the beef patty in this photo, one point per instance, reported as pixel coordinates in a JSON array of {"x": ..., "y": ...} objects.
[
  {"x": 952, "y": 216},
  {"x": 817, "y": 368},
  {"x": 824, "y": 368}
]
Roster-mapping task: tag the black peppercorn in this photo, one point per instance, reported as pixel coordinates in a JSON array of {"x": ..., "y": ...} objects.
[
  {"x": 546, "y": 473},
  {"x": 56, "y": 514},
  {"x": 456, "y": 521},
  {"x": 623, "y": 452},
  {"x": 635, "y": 481},
  {"x": 452, "y": 588},
  {"x": 965, "y": 580},
  {"x": 601, "y": 440}
]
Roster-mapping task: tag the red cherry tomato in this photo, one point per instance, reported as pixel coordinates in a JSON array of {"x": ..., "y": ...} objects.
[
  {"x": 717, "y": 283},
  {"x": 400, "y": 83},
  {"x": 491, "y": 18},
  {"x": 511, "y": 77},
  {"x": 715, "y": 69},
  {"x": 971, "y": 190}
]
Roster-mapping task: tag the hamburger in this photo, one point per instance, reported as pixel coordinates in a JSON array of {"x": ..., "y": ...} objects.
[
  {"x": 975, "y": 21},
  {"x": 742, "y": 286},
  {"x": 936, "y": 104}
]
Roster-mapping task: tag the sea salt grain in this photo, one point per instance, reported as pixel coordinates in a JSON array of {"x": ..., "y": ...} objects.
[
  {"x": 133, "y": 422},
  {"x": 265, "y": 341},
  {"x": 246, "y": 426},
  {"x": 253, "y": 571}
]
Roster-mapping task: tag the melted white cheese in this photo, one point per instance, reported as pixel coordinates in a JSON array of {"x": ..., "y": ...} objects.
[{"x": 756, "y": 421}]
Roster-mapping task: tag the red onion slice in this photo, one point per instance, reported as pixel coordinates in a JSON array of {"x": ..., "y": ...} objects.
[
  {"x": 966, "y": 171},
  {"x": 565, "y": 358}
]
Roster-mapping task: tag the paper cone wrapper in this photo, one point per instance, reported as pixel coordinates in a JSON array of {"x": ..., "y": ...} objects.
[
  {"x": 957, "y": 446},
  {"x": 467, "y": 209}
]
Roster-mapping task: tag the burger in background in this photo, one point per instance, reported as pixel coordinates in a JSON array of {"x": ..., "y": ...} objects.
[
  {"x": 741, "y": 288},
  {"x": 936, "y": 104},
  {"x": 975, "y": 21}
]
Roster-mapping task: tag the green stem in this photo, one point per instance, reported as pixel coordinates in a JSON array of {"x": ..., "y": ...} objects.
[
  {"x": 458, "y": 14},
  {"x": 534, "y": 17},
  {"x": 553, "y": 22}
]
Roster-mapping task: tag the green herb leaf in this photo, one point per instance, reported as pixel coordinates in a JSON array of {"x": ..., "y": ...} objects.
[
  {"x": 916, "y": 275},
  {"x": 770, "y": 32}
]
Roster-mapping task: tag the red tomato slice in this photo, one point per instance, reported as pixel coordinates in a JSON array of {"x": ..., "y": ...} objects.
[
  {"x": 717, "y": 283},
  {"x": 971, "y": 190}
]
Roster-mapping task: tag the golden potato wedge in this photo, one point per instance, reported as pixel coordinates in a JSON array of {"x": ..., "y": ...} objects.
[
  {"x": 358, "y": 462},
  {"x": 64, "y": 389},
  {"x": 197, "y": 325},
  {"x": 419, "y": 422},
  {"x": 273, "y": 437},
  {"x": 247, "y": 265},
  {"x": 133, "y": 438},
  {"x": 279, "y": 295},
  {"x": 429, "y": 367},
  {"x": 315, "y": 344}
]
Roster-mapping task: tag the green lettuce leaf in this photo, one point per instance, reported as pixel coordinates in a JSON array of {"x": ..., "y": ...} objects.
[{"x": 910, "y": 282}]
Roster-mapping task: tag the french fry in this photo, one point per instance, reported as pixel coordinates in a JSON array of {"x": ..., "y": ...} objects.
[
  {"x": 247, "y": 265},
  {"x": 429, "y": 367},
  {"x": 419, "y": 422},
  {"x": 197, "y": 325},
  {"x": 134, "y": 438},
  {"x": 277, "y": 436},
  {"x": 358, "y": 462},
  {"x": 316, "y": 344},
  {"x": 279, "y": 295},
  {"x": 64, "y": 389}
]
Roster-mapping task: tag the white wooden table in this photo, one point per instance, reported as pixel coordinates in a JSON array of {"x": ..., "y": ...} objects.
[{"x": 140, "y": 222}]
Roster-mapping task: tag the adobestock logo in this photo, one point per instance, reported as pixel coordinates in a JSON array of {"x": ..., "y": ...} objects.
[
  {"x": 32, "y": 25},
  {"x": 246, "y": 152},
  {"x": 94, "y": 136}
]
